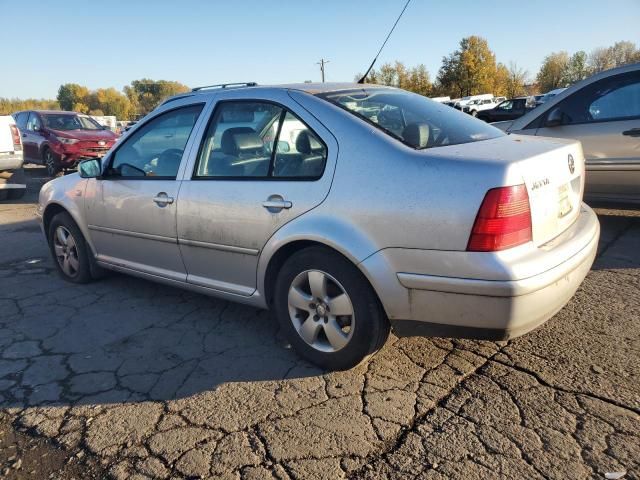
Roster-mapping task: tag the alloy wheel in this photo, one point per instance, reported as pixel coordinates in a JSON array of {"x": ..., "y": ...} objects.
[
  {"x": 66, "y": 251},
  {"x": 50, "y": 163},
  {"x": 321, "y": 311}
]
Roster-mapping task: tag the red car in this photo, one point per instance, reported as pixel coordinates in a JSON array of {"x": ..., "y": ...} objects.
[{"x": 59, "y": 140}]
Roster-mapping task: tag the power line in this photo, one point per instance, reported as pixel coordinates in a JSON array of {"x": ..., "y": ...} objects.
[
  {"x": 384, "y": 43},
  {"x": 322, "y": 63}
]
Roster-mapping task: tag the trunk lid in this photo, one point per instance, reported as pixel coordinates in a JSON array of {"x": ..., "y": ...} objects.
[{"x": 554, "y": 178}]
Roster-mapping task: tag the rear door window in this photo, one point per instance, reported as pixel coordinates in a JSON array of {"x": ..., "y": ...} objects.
[
  {"x": 259, "y": 140},
  {"x": 612, "y": 98}
]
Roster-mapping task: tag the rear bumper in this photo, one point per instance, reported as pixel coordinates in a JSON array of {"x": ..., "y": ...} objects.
[
  {"x": 10, "y": 161},
  {"x": 464, "y": 306}
]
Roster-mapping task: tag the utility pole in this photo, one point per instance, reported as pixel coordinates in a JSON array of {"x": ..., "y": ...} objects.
[{"x": 322, "y": 63}]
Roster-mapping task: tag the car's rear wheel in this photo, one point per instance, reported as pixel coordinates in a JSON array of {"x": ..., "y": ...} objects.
[
  {"x": 69, "y": 249},
  {"x": 50, "y": 162},
  {"x": 474, "y": 113},
  {"x": 328, "y": 310}
]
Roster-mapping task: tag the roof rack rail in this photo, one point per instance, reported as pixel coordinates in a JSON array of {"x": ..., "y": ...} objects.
[{"x": 226, "y": 85}]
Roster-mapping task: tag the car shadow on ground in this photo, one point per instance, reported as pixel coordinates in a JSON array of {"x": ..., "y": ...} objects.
[
  {"x": 619, "y": 241},
  {"x": 123, "y": 339}
]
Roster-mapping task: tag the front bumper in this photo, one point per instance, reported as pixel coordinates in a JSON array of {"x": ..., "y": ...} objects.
[
  {"x": 70, "y": 155},
  {"x": 528, "y": 294}
]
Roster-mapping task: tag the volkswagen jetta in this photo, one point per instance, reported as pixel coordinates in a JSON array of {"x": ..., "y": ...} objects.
[{"x": 345, "y": 208}]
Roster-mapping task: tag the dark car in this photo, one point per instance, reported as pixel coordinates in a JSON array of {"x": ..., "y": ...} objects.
[
  {"x": 508, "y": 110},
  {"x": 59, "y": 140}
]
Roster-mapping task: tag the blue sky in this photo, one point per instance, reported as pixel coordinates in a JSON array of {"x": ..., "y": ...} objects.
[{"x": 108, "y": 43}]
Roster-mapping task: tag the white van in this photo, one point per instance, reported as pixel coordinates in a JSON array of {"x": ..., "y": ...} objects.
[
  {"x": 12, "y": 183},
  {"x": 464, "y": 100}
]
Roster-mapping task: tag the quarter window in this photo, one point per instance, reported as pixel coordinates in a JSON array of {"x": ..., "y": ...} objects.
[
  {"x": 259, "y": 140},
  {"x": 155, "y": 150},
  {"x": 21, "y": 119},
  {"x": 34, "y": 122}
]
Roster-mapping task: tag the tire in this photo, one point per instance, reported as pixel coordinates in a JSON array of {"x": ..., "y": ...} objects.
[
  {"x": 333, "y": 342},
  {"x": 474, "y": 113},
  {"x": 67, "y": 242},
  {"x": 50, "y": 162}
]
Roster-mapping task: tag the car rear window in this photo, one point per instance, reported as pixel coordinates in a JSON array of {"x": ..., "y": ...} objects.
[{"x": 413, "y": 119}]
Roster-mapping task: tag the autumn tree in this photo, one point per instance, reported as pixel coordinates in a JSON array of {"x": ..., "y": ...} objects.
[
  {"x": 470, "y": 70},
  {"x": 146, "y": 94},
  {"x": 110, "y": 102},
  {"x": 553, "y": 73},
  {"x": 12, "y": 105},
  {"x": 415, "y": 79},
  {"x": 617, "y": 55},
  {"x": 516, "y": 79}
]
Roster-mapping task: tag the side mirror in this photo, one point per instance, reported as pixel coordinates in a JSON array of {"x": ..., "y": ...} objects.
[
  {"x": 555, "y": 118},
  {"x": 90, "y": 168}
]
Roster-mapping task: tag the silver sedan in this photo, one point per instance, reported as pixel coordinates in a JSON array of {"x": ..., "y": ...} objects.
[{"x": 345, "y": 208}]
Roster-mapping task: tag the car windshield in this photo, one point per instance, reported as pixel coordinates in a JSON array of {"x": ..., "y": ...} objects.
[
  {"x": 70, "y": 122},
  {"x": 413, "y": 119}
]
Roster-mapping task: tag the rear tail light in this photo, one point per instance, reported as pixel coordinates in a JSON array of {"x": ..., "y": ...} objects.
[
  {"x": 17, "y": 141},
  {"x": 503, "y": 221}
]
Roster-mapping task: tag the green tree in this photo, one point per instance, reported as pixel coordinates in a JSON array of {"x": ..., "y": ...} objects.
[
  {"x": 419, "y": 80},
  {"x": 70, "y": 94},
  {"x": 577, "y": 68},
  {"x": 553, "y": 72}
]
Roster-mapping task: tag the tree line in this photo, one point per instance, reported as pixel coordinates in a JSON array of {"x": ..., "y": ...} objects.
[
  {"x": 469, "y": 70},
  {"x": 472, "y": 69},
  {"x": 138, "y": 99}
]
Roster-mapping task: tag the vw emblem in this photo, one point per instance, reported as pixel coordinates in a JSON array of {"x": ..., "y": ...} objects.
[
  {"x": 101, "y": 142},
  {"x": 572, "y": 164}
]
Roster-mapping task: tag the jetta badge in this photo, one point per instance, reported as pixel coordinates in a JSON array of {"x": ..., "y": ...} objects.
[
  {"x": 101, "y": 143},
  {"x": 572, "y": 164}
]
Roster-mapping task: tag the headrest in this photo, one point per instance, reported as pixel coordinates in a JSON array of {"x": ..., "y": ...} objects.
[
  {"x": 416, "y": 134},
  {"x": 239, "y": 140},
  {"x": 306, "y": 143}
]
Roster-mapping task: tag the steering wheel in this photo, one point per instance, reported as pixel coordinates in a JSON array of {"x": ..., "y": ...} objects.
[{"x": 169, "y": 162}]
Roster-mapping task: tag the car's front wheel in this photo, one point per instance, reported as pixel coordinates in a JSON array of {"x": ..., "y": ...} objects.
[
  {"x": 328, "y": 310},
  {"x": 50, "y": 162},
  {"x": 69, "y": 249}
]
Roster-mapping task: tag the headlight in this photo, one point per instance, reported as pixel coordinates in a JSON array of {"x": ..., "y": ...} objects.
[{"x": 67, "y": 141}]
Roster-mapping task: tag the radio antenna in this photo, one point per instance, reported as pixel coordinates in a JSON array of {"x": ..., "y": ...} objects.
[{"x": 384, "y": 43}]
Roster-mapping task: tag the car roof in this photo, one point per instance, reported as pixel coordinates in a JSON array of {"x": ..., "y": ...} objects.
[
  {"x": 312, "y": 88},
  {"x": 523, "y": 121},
  {"x": 57, "y": 112}
]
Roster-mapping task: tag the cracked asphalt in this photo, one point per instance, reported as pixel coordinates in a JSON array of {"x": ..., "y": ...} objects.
[{"x": 134, "y": 380}]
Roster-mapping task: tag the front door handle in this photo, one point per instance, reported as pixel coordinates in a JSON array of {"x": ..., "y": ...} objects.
[
  {"x": 276, "y": 203},
  {"x": 634, "y": 132},
  {"x": 162, "y": 199}
]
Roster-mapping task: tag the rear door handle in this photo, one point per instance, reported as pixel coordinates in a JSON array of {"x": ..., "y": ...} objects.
[
  {"x": 162, "y": 199},
  {"x": 634, "y": 132}
]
